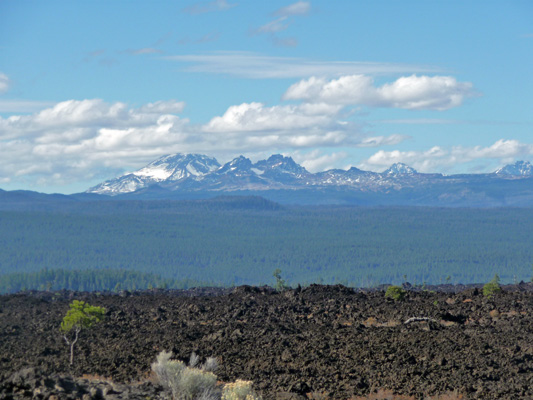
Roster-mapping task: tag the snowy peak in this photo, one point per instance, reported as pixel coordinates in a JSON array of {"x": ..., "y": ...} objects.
[
  {"x": 520, "y": 168},
  {"x": 199, "y": 173},
  {"x": 399, "y": 169},
  {"x": 280, "y": 164},
  {"x": 237, "y": 166},
  {"x": 178, "y": 166},
  {"x": 172, "y": 167}
]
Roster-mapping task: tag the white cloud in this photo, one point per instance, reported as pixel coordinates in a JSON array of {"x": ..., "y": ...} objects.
[
  {"x": 76, "y": 140},
  {"x": 209, "y": 6},
  {"x": 258, "y": 66},
  {"x": 438, "y": 158},
  {"x": 298, "y": 8},
  {"x": 253, "y": 126},
  {"x": 82, "y": 140},
  {"x": 163, "y": 107},
  {"x": 4, "y": 83},
  {"x": 411, "y": 92},
  {"x": 256, "y": 117},
  {"x": 315, "y": 160}
]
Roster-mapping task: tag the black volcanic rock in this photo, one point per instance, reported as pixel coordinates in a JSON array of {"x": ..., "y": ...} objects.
[{"x": 320, "y": 339}]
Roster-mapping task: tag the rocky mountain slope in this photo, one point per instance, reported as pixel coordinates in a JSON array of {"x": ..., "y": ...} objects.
[{"x": 279, "y": 178}]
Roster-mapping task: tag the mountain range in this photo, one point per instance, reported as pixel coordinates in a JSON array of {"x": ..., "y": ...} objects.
[
  {"x": 278, "y": 179},
  {"x": 281, "y": 179}
]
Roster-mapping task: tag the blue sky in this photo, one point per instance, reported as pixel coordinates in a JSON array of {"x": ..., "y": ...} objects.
[{"x": 93, "y": 89}]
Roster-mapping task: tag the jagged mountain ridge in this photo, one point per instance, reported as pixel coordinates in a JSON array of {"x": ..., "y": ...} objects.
[{"x": 196, "y": 172}]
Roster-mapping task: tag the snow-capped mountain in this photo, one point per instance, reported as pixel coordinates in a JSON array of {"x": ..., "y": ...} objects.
[
  {"x": 399, "y": 169},
  {"x": 170, "y": 168},
  {"x": 195, "y": 174},
  {"x": 520, "y": 168}
]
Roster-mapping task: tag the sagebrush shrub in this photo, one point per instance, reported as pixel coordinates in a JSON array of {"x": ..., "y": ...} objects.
[
  {"x": 168, "y": 371},
  {"x": 194, "y": 382},
  {"x": 198, "y": 383},
  {"x": 239, "y": 390}
]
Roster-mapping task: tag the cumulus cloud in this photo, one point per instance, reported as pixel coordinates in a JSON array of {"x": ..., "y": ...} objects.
[
  {"x": 79, "y": 139},
  {"x": 254, "y": 125},
  {"x": 410, "y": 92},
  {"x": 75, "y": 139},
  {"x": 316, "y": 160},
  {"x": 257, "y": 117},
  {"x": 163, "y": 107},
  {"x": 4, "y": 83},
  {"x": 438, "y": 158}
]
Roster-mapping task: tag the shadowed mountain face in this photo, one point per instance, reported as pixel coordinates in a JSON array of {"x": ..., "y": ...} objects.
[{"x": 279, "y": 178}]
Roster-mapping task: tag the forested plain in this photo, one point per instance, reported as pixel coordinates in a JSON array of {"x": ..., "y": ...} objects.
[{"x": 182, "y": 244}]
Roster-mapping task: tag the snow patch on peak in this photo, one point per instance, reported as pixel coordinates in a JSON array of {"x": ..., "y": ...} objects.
[
  {"x": 519, "y": 168},
  {"x": 173, "y": 167},
  {"x": 399, "y": 169}
]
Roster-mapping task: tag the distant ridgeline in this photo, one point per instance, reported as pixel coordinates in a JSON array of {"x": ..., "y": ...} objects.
[{"x": 242, "y": 241}]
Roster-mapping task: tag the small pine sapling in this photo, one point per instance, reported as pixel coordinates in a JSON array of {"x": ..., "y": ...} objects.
[
  {"x": 395, "y": 292},
  {"x": 492, "y": 287},
  {"x": 80, "y": 316}
]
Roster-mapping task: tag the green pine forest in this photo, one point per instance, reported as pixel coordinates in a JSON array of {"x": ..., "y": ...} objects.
[{"x": 180, "y": 246}]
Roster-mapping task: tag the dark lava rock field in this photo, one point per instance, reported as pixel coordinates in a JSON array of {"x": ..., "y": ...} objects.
[{"x": 316, "y": 342}]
